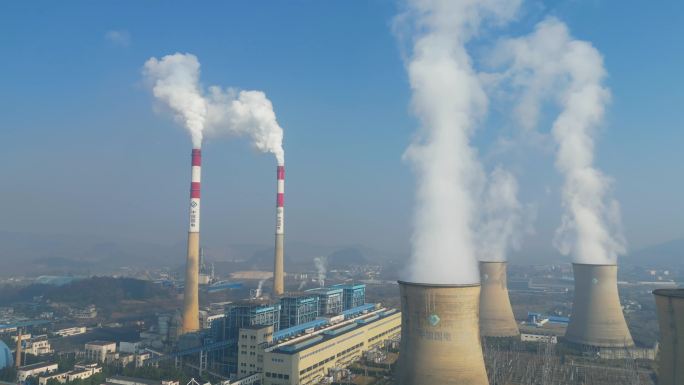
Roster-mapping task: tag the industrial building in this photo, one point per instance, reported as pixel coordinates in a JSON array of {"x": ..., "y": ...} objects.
[
  {"x": 298, "y": 309},
  {"x": 99, "y": 351},
  {"x": 597, "y": 319},
  {"x": 330, "y": 300},
  {"x": 670, "y": 306},
  {"x": 254, "y": 312},
  {"x": 35, "y": 370},
  {"x": 80, "y": 372},
  {"x": 352, "y": 295},
  {"x": 309, "y": 352}
]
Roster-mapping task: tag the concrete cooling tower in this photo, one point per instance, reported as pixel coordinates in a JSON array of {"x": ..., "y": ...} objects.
[
  {"x": 670, "y": 306},
  {"x": 496, "y": 313},
  {"x": 440, "y": 336},
  {"x": 597, "y": 319}
]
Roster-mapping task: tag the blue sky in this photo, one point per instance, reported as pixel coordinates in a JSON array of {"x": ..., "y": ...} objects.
[{"x": 83, "y": 150}]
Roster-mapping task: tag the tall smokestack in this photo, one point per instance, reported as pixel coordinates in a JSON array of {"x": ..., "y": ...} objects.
[
  {"x": 17, "y": 359},
  {"x": 191, "y": 297},
  {"x": 670, "y": 306},
  {"x": 278, "y": 268},
  {"x": 496, "y": 314},
  {"x": 597, "y": 318},
  {"x": 440, "y": 336}
]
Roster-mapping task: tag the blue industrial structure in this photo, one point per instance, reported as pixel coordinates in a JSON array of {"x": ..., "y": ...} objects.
[
  {"x": 540, "y": 319},
  {"x": 353, "y": 295},
  {"x": 5, "y": 356},
  {"x": 330, "y": 300},
  {"x": 293, "y": 331},
  {"x": 296, "y": 310}
]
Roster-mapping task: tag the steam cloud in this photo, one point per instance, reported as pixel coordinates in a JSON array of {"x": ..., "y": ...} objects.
[
  {"x": 550, "y": 62},
  {"x": 321, "y": 268},
  {"x": 174, "y": 80},
  {"x": 504, "y": 219},
  {"x": 449, "y": 100}
]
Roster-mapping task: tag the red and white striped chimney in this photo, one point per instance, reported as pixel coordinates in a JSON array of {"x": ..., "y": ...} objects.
[
  {"x": 278, "y": 270},
  {"x": 191, "y": 297}
]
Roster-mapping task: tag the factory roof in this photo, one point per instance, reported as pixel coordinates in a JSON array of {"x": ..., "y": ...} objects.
[
  {"x": 100, "y": 343},
  {"x": 131, "y": 380},
  {"x": 37, "y": 365},
  {"x": 350, "y": 285},
  {"x": 334, "y": 332},
  {"x": 326, "y": 290},
  {"x": 289, "y": 332}
]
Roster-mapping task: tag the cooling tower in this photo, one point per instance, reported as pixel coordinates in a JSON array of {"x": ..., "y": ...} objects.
[
  {"x": 597, "y": 318},
  {"x": 440, "y": 336},
  {"x": 191, "y": 297},
  {"x": 496, "y": 314},
  {"x": 278, "y": 268},
  {"x": 670, "y": 306}
]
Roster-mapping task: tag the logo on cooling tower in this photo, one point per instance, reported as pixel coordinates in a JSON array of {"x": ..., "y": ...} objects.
[
  {"x": 433, "y": 319},
  {"x": 594, "y": 281},
  {"x": 193, "y": 204}
]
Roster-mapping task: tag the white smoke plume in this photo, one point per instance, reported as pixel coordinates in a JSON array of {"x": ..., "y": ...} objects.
[
  {"x": 175, "y": 81},
  {"x": 321, "y": 267},
  {"x": 246, "y": 113},
  {"x": 259, "y": 289},
  {"x": 551, "y": 63},
  {"x": 504, "y": 220},
  {"x": 449, "y": 100}
]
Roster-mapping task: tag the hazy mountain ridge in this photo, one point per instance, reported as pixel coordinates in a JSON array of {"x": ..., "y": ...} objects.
[{"x": 37, "y": 254}]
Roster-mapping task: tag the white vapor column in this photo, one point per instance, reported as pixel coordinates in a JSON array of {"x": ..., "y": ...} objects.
[
  {"x": 551, "y": 64},
  {"x": 440, "y": 299}
]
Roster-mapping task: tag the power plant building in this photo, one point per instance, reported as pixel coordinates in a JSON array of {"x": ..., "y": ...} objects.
[
  {"x": 246, "y": 314},
  {"x": 298, "y": 309},
  {"x": 330, "y": 300},
  {"x": 597, "y": 319},
  {"x": 670, "y": 307},
  {"x": 317, "y": 351},
  {"x": 353, "y": 295}
]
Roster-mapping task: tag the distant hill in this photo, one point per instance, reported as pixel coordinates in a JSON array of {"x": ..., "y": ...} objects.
[
  {"x": 40, "y": 254},
  {"x": 37, "y": 254},
  {"x": 667, "y": 254}
]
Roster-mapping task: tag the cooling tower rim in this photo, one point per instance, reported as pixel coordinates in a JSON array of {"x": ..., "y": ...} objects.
[
  {"x": 676, "y": 293},
  {"x": 493, "y": 262},
  {"x": 593, "y": 264},
  {"x": 438, "y": 285}
]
